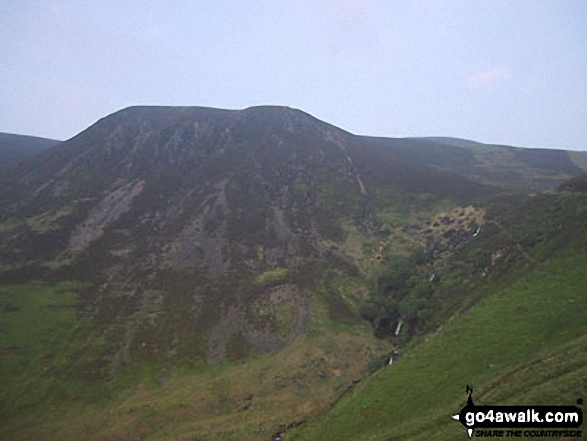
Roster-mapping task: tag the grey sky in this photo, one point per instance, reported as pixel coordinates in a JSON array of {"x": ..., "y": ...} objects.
[{"x": 510, "y": 72}]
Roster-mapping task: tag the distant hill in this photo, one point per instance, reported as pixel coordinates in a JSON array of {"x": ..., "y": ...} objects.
[
  {"x": 523, "y": 169},
  {"x": 16, "y": 148}
]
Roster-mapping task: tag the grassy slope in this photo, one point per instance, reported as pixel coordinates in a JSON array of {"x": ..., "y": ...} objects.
[
  {"x": 248, "y": 399},
  {"x": 523, "y": 344},
  {"x": 36, "y": 323}
]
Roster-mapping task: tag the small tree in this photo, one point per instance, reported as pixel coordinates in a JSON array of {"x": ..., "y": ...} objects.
[{"x": 399, "y": 294}]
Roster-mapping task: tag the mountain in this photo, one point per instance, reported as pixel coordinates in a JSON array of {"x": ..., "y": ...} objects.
[
  {"x": 169, "y": 210},
  {"x": 16, "y": 148},
  {"x": 207, "y": 189},
  {"x": 232, "y": 181},
  {"x": 227, "y": 250}
]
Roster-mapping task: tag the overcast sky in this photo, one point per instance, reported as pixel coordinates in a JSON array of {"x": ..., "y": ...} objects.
[{"x": 510, "y": 72}]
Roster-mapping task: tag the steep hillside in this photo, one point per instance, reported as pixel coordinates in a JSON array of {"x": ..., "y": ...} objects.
[
  {"x": 511, "y": 313},
  {"x": 16, "y": 148}
]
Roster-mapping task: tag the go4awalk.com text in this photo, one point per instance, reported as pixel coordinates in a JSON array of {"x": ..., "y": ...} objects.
[{"x": 520, "y": 421}]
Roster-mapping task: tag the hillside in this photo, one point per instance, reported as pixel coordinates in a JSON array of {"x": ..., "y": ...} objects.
[
  {"x": 521, "y": 169},
  {"x": 16, "y": 148},
  {"x": 187, "y": 272},
  {"x": 516, "y": 332}
]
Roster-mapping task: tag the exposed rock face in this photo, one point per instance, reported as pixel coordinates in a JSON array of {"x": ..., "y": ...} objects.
[
  {"x": 107, "y": 211},
  {"x": 201, "y": 243}
]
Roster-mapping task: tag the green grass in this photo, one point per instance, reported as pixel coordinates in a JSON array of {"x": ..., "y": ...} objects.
[
  {"x": 211, "y": 403},
  {"x": 504, "y": 346},
  {"x": 50, "y": 350},
  {"x": 37, "y": 324}
]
